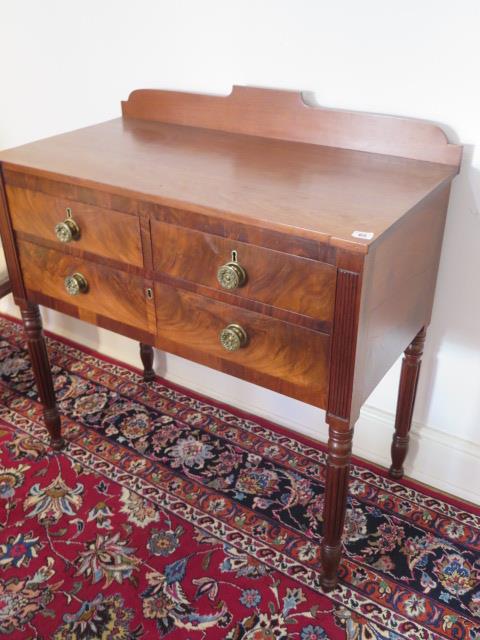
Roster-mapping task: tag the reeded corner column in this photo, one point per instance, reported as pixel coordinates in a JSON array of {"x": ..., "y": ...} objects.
[{"x": 336, "y": 492}]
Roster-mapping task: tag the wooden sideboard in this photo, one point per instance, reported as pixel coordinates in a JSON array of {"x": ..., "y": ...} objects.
[{"x": 288, "y": 245}]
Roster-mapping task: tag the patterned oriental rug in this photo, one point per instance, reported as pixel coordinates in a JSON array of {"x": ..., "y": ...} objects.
[{"x": 169, "y": 515}]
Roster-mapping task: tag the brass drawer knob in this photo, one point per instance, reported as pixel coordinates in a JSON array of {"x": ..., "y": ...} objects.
[
  {"x": 67, "y": 230},
  {"x": 75, "y": 284},
  {"x": 233, "y": 337},
  {"x": 231, "y": 275}
]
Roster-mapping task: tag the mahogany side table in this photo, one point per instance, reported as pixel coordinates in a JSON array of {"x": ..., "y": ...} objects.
[{"x": 292, "y": 246}]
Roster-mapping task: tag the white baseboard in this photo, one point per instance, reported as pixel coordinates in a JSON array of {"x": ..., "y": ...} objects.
[{"x": 435, "y": 457}]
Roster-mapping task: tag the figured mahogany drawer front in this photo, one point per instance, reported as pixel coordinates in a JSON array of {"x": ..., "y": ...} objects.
[
  {"x": 104, "y": 232},
  {"x": 279, "y": 279},
  {"x": 287, "y": 358},
  {"x": 109, "y": 292}
]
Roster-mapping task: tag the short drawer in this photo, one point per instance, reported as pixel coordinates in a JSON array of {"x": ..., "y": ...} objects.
[
  {"x": 112, "y": 293},
  {"x": 103, "y": 232},
  {"x": 287, "y": 358},
  {"x": 301, "y": 285}
]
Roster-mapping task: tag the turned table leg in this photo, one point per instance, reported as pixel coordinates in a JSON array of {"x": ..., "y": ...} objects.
[
  {"x": 146, "y": 354},
  {"x": 336, "y": 491},
  {"x": 405, "y": 403},
  {"x": 37, "y": 349}
]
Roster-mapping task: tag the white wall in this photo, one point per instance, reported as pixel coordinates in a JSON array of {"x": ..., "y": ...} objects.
[{"x": 68, "y": 64}]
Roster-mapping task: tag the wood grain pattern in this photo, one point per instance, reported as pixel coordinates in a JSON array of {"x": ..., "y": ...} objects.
[
  {"x": 95, "y": 318},
  {"x": 397, "y": 297},
  {"x": 112, "y": 293},
  {"x": 107, "y": 233},
  {"x": 304, "y": 286},
  {"x": 262, "y": 236},
  {"x": 246, "y": 303},
  {"x": 315, "y": 192},
  {"x": 258, "y": 235},
  {"x": 97, "y": 196},
  {"x": 280, "y": 356},
  {"x": 271, "y": 113},
  {"x": 71, "y": 249}
]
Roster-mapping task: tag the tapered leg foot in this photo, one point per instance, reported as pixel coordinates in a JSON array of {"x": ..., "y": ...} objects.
[
  {"x": 37, "y": 349},
  {"x": 146, "y": 354},
  {"x": 335, "y": 505},
  {"x": 406, "y": 402},
  {"x": 330, "y": 562},
  {"x": 394, "y": 472}
]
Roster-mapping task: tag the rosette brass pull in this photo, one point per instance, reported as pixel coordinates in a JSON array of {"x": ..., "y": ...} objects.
[
  {"x": 233, "y": 337},
  {"x": 75, "y": 284},
  {"x": 231, "y": 275},
  {"x": 67, "y": 230}
]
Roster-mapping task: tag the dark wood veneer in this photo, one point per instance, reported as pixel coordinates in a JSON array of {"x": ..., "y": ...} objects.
[
  {"x": 296, "y": 284},
  {"x": 167, "y": 191},
  {"x": 135, "y": 333},
  {"x": 278, "y": 355},
  {"x": 238, "y": 231},
  {"x": 70, "y": 191},
  {"x": 111, "y": 293},
  {"x": 108, "y": 233},
  {"x": 245, "y": 303}
]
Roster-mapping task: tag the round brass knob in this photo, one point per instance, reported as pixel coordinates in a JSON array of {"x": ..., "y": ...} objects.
[
  {"x": 233, "y": 337},
  {"x": 231, "y": 275},
  {"x": 75, "y": 284},
  {"x": 67, "y": 230}
]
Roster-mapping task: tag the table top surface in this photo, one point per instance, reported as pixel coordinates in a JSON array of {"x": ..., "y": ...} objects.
[{"x": 310, "y": 190}]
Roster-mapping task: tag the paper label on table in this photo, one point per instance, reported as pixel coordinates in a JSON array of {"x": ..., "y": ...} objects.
[{"x": 364, "y": 235}]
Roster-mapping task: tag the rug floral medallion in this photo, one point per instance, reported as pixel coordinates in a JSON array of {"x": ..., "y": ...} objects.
[{"x": 171, "y": 516}]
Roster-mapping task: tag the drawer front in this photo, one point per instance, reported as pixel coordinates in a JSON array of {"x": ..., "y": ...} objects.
[
  {"x": 104, "y": 232},
  {"x": 111, "y": 293},
  {"x": 286, "y": 358},
  {"x": 279, "y": 279}
]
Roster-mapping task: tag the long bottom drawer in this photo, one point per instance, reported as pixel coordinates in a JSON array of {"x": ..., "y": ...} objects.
[{"x": 286, "y": 358}]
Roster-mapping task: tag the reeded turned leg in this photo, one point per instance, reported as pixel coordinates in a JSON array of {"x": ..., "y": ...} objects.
[
  {"x": 37, "y": 349},
  {"x": 405, "y": 403},
  {"x": 336, "y": 491},
  {"x": 146, "y": 354}
]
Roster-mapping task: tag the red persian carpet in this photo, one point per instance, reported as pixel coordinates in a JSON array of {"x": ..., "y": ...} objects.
[{"x": 171, "y": 516}]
